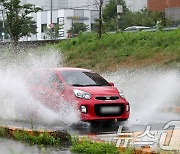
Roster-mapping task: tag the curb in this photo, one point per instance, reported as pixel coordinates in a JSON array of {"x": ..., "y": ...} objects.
[
  {"x": 176, "y": 109},
  {"x": 171, "y": 109},
  {"x": 137, "y": 150},
  {"x": 140, "y": 150},
  {"x": 144, "y": 150},
  {"x": 63, "y": 135}
]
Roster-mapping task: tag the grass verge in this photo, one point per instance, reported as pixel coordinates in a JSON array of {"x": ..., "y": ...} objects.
[
  {"x": 139, "y": 49},
  {"x": 32, "y": 137},
  {"x": 90, "y": 147},
  {"x": 78, "y": 146}
]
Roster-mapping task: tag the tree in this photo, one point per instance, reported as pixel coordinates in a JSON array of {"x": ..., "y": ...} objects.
[
  {"x": 18, "y": 22},
  {"x": 110, "y": 15},
  {"x": 77, "y": 27},
  {"x": 1, "y": 26},
  {"x": 53, "y": 32},
  {"x": 110, "y": 11},
  {"x": 99, "y": 26},
  {"x": 128, "y": 18}
]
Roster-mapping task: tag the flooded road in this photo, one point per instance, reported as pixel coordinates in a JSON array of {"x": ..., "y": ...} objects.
[{"x": 149, "y": 91}]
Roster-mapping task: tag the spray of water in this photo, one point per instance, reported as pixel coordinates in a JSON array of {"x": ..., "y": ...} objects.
[
  {"x": 16, "y": 102},
  {"x": 148, "y": 91}
]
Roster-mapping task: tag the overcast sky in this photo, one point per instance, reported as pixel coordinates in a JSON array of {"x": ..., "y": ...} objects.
[{"x": 134, "y": 5}]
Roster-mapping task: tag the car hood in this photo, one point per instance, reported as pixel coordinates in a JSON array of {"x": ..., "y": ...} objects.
[{"x": 95, "y": 90}]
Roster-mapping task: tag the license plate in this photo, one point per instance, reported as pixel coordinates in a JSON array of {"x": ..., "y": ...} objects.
[{"x": 109, "y": 110}]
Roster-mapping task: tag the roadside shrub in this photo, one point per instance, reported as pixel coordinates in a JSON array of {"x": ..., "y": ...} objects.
[{"x": 3, "y": 132}]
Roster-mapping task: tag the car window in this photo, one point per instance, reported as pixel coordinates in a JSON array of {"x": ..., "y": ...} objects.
[
  {"x": 50, "y": 77},
  {"x": 79, "y": 78}
]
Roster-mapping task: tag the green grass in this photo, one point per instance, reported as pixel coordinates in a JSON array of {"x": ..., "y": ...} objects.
[
  {"x": 34, "y": 138},
  {"x": 122, "y": 49},
  {"x": 89, "y": 147},
  {"x": 3, "y": 132},
  {"x": 44, "y": 138}
]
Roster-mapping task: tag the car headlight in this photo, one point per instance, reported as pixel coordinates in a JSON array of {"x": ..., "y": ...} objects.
[
  {"x": 121, "y": 93},
  {"x": 81, "y": 94},
  {"x": 127, "y": 107}
]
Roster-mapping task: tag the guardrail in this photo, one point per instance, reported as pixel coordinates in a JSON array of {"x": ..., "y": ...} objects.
[{"x": 153, "y": 29}]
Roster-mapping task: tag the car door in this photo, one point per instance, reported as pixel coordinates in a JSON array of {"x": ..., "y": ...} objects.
[
  {"x": 34, "y": 81},
  {"x": 53, "y": 89}
]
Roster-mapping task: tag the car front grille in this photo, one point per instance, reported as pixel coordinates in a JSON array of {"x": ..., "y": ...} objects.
[
  {"x": 105, "y": 110},
  {"x": 107, "y": 98}
]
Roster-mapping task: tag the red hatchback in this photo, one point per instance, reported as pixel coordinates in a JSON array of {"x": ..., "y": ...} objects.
[{"x": 96, "y": 99}]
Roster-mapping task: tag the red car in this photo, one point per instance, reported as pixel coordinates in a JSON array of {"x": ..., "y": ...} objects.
[{"x": 97, "y": 99}]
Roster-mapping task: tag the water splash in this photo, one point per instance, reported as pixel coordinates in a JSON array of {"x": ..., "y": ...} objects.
[
  {"x": 16, "y": 102},
  {"x": 148, "y": 91}
]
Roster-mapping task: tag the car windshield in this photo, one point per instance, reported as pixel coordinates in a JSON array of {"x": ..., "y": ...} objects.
[{"x": 80, "y": 78}]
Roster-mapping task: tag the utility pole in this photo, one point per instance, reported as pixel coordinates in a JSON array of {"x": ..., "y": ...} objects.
[
  {"x": 100, "y": 18},
  {"x": 51, "y": 24},
  {"x": 119, "y": 11},
  {"x": 3, "y": 25},
  {"x": 3, "y": 33},
  {"x": 51, "y": 11}
]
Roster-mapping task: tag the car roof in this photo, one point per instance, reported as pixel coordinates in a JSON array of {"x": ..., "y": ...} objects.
[
  {"x": 63, "y": 69},
  {"x": 70, "y": 69}
]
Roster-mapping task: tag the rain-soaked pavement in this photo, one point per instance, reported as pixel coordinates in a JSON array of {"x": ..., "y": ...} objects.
[
  {"x": 148, "y": 90},
  {"x": 103, "y": 131},
  {"x": 8, "y": 146}
]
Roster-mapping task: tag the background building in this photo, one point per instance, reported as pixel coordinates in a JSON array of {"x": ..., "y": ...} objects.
[
  {"x": 161, "y": 5},
  {"x": 170, "y": 7},
  {"x": 64, "y": 17}
]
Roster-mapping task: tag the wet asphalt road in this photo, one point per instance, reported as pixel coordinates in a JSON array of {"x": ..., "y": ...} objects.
[
  {"x": 147, "y": 92},
  {"x": 9, "y": 146}
]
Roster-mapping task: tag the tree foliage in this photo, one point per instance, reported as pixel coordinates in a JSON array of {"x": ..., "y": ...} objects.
[
  {"x": 53, "y": 33},
  {"x": 128, "y": 18},
  {"x": 77, "y": 27},
  {"x": 143, "y": 18},
  {"x": 110, "y": 15},
  {"x": 110, "y": 11},
  {"x": 18, "y": 21}
]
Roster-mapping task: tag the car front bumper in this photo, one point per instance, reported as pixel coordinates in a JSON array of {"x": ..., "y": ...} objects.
[{"x": 94, "y": 110}]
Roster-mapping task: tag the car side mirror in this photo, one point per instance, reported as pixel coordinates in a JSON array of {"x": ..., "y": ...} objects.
[{"x": 111, "y": 83}]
